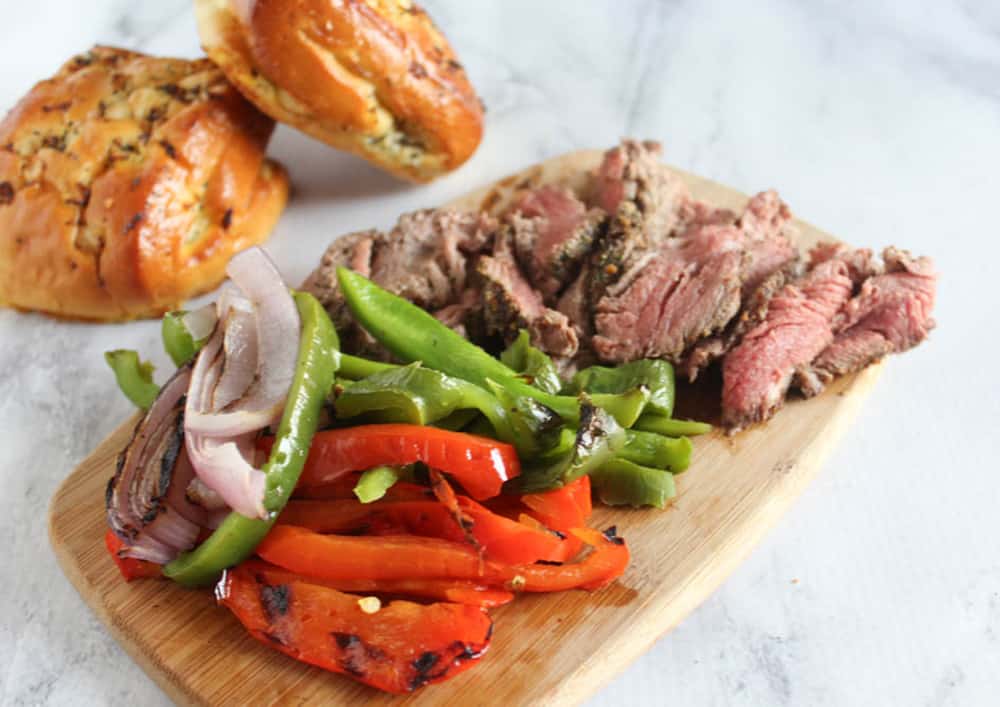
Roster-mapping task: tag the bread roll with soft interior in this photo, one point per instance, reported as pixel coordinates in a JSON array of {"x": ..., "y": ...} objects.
[
  {"x": 126, "y": 184},
  {"x": 374, "y": 77}
]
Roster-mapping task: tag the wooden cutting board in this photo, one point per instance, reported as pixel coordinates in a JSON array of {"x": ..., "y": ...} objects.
[{"x": 555, "y": 649}]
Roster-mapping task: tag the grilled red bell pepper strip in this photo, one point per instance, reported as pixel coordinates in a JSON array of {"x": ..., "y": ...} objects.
[
  {"x": 563, "y": 509},
  {"x": 453, "y": 590},
  {"x": 403, "y": 557},
  {"x": 480, "y": 465},
  {"x": 128, "y": 566},
  {"x": 500, "y": 538},
  {"x": 398, "y": 648}
]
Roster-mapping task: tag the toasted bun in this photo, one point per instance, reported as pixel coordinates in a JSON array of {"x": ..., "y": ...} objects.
[
  {"x": 126, "y": 184},
  {"x": 374, "y": 77}
]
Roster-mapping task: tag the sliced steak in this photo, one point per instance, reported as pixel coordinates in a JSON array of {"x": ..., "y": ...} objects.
[
  {"x": 510, "y": 303},
  {"x": 765, "y": 223},
  {"x": 353, "y": 251},
  {"x": 676, "y": 296},
  {"x": 861, "y": 262},
  {"x": 632, "y": 172},
  {"x": 769, "y": 259},
  {"x": 425, "y": 257},
  {"x": 645, "y": 201},
  {"x": 575, "y": 304},
  {"x": 457, "y": 316},
  {"x": 553, "y": 232},
  {"x": 798, "y": 326},
  {"x": 891, "y": 313},
  {"x": 753, "y": 310}
]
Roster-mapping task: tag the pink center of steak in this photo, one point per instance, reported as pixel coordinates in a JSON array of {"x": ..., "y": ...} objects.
[
  {"x": 757, "y": 373},
  {"x": 892, "y": 313},
  {"x": 609, "y": 187},
  {"x": 684, "y": 291},
  {"x": 553, "y": 232}
]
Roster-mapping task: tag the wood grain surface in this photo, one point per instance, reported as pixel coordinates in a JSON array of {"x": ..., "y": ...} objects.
[{"x": 555, "y": 649}]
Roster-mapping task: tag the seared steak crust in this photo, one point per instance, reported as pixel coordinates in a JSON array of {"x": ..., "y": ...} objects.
[
  {"x": 553, "y": 232},
  {"x": 510, "y": 303}
]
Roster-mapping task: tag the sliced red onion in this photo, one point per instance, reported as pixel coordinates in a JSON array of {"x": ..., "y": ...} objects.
[
  {"x": 232, "y": 411},
  {"x": 239, "y": 367},
  {"x": 240, "y": 381},
  {"x": 200, "y": 322},
  {"x": 278, "y": 327},
  {"x": 222, "y": 466},
  {"x": 142, "y": 505}
]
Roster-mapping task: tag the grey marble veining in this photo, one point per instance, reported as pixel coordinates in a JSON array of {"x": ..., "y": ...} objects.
[{"x": 878, "y": 121}]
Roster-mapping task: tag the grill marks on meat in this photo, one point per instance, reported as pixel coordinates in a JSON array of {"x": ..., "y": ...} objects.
[
  {"x": 510, "y": 303},
  {"x": 797, "y": 328},
  {"x": 890, "y": 314}
]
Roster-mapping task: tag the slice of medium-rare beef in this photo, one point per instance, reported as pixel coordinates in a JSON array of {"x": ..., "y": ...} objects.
[
  {"x": 456, "y": 316},
  {"x": 632, "y": 172},
  {"x": 353, "y": 251},
  {"x": 678, "y": 295},
  {"x": 644, "y": 200},
  {"x": 553, "y": 232},
  {"x": 861, "y": 262},
  {"x": 753, "y": 309},
  {"x": 425, "y": 258},
  {"x": 510, "y": 303},
  {"x": 574, "y": 303},
  {"x": 686, "y": 314},
  {"x": 769, "y": 260},
  {"x": 756, "y": 374},
  {"x": 891, "y": 313},
  {"x": 765, "y": 223}
]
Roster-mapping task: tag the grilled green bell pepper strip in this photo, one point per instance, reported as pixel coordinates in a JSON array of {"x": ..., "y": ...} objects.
[
  {"x": 422, "y": 396},
  {"x": 656, "y": 375},
  {"x": 237, "y": 537},
  {"x": 620, "y": 482},
  {"x": 417, "y": 396},
  {"x": 598, "y": 439},
  {"x": 177, "y": 340},
  {"x": 375, "y": 482},
  {"x": 532, "y": 363},
  {"x": 134, "y": 376},
  {"x": 412, "y": 334},
  {"x": 355, "y": 368},
  {"x": 663, "y": 425},
  {"x": 658, "y": 451}
]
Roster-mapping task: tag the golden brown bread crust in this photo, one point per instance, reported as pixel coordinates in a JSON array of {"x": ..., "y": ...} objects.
[
  {"x": 374, "y": 77},
  {"x": 126, "y": 184}
]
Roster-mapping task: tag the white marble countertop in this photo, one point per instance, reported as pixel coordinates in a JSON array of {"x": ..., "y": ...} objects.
[{"x": 879, "y": 122}]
